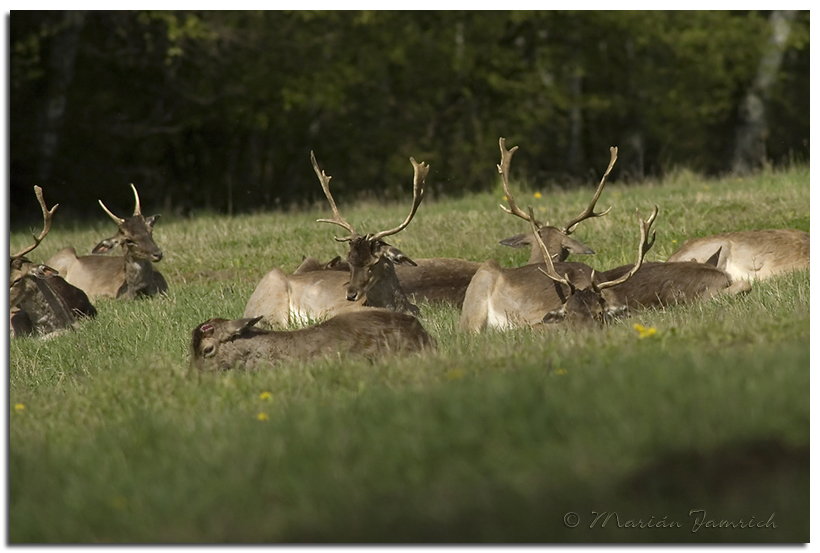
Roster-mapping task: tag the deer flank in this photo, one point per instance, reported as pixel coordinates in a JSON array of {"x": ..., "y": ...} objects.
[
  {"x": 751, "y": 254},
  {"x": 220, "y": 344}
]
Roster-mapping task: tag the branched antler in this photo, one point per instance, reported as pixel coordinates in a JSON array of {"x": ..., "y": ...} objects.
[
  {"x": 589, "y": 211},
  {"x": 47, "y": 214},
  {"x": 643, "y": 246},
  {"x": 549, "y": 271},
  {"x": 420, "y": 171},
  {"x": 504, "y": 169},
  {"x": 324, "y": 179}
]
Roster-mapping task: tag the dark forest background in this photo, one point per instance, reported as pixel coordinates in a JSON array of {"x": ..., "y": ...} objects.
[{"x": 220, "y": 110}]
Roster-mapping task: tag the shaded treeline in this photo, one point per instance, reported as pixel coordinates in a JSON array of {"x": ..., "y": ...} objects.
[{"x": 221, "y": 109}]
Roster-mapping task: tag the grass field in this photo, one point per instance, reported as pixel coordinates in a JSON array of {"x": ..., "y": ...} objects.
[{"x": 502, "y": 437}]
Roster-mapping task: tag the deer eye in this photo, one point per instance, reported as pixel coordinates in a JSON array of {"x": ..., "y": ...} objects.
[
  {"x": 209, "y": 351},
  {"x": 16, "y": 280}
]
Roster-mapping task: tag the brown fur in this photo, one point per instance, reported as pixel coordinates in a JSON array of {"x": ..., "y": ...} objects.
[
  {"x": 751, "y": 254},
  {"x": 658, "y": 284},
  {"x": 219, "y": 344}
]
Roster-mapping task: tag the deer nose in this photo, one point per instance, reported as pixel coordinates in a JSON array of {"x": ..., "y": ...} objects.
[
  {"x": 156, "y": 256},
  {"x": 352, "y": 295}
]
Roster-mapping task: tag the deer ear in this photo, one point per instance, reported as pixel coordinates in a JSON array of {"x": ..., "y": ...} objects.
[
  {"x": 107, "y": 245},
  {"x": 239, "y": 326},
  {"x": 394, "y": 254},
  {"x": 517, "y": 241},
  {"x": 44, "y": 271},
  {"x": 715, "y": 259},
  {"x": 555, "y": 316},
  {"x": 574, "y": 246},
  {"x": 333, "y": 262},
  {"x": 152, "y": 219}
]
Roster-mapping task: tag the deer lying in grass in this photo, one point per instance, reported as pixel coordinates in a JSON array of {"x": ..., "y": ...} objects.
[
  {"x": 219, "y": 344},
  {"x": 751, "y": 254},
  {"x": 658, "y": 284},
  {"x": 129, "y": 276},
  {"x": 557, "y": 239},
  {"x": 40, "y": 301},
  {"x": 521, "y": 296},
  {"x": 371, "y": 280}
]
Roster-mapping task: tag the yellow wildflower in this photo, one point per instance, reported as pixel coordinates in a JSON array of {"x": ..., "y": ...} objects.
[
  {"x": 644, "y": 332},
  {"x": 561, "y": 372},
  {"x": 266, "y": 396},
  {"x": 262, "y": 417},
  {"x": 454, "y": 374},
  {"x": 118, "y": 503},
  {"x": 537, "y": 195},
  {"x": 19, "y": 407}
]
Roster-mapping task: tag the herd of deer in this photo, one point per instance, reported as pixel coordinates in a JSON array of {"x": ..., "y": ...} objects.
[{"x": 368, "y": 299}]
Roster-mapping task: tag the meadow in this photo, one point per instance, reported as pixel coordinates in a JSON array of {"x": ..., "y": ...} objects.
[{"x": 701, "y": 412}]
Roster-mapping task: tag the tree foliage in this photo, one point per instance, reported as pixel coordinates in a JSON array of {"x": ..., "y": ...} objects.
[{"x": 221, "y": 109}]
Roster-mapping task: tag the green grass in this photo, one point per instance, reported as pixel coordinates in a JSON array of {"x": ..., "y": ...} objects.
[{"x": 493, "y": 438}]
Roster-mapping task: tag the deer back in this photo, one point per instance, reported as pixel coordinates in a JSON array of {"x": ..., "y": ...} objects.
[
  {"x": 437, "y": 279},
  {"x": 219, "y": 344},
  {"x": 521, "y": 296},
  {"x": 749, "y": 255},
  {"x": 658, "y": 284}
]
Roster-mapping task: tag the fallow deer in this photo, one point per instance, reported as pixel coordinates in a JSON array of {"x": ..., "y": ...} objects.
[
  {"x": 658, "y": 284},
  {"x": 751, "y": 254},
  {"x": 521, "y": 296},
  {"x": 41, "y": 301},
  {"x": 128, "y": 276},
  {"x": 371, "y": 280},
  {"x": 558, "y": 241},
  {"x": 219, "y": 344}
]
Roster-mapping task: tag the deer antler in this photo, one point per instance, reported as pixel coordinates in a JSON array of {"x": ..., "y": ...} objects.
[
  {"x": 420, "y": 171},
  {"x": 504, "y": 169},
  {"x": 643, "y": 247},
  {"x": 47, "y": 213},
  {"x": 588, "y": 212},
  {"x": 550, "y": 268},
  {"x": 337, "y": 218},
  {"x": 137, "y": 208}
]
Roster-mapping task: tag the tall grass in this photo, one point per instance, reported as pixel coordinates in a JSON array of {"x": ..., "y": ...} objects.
[{"x": 495, "y": 437}]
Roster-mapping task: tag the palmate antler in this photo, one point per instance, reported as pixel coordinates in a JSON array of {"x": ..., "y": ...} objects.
[
  {"x": 47, "y": 214},
  {"x": 420, "y": 170},
  {"x": 569, "y": 228},
  {"x": 324, "y": 179},
  {"x": 643, "y": 246}
]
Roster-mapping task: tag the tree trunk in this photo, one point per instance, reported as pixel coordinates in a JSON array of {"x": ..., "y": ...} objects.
[
  {"x": 61, "y": 71},
  {"x": 752, "y": 129}
]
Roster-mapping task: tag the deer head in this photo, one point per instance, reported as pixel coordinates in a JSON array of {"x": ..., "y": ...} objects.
[
  {"x": 134, "y": 234},
  {"x": 595, "y": 302},
  {"x": 557, "y": 240},
  {"x": 23, "y": 273},
  {"x": 370, "y": 258}
]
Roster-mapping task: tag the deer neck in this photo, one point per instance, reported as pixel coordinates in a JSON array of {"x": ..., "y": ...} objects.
[
  {"x": 139, "y": 276},
  {"x": 387, "y": 292},
  {"x": 47, "y": 311}
]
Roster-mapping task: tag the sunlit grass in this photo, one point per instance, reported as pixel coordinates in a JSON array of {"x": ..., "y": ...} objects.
[{"x": 492, "y": 438}]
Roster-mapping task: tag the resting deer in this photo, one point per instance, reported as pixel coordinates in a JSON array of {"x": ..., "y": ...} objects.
[
  {"x": 218, "y": 344},
  {"x": 39, "y": 299},
  {"x": 371, "y": 280},
  {"x": 129, "y": 276},
  {"x": 751, "y": 254},
  {"x": 521, "y": 296},
  {"x": 659, "y": 284},
  {"x": 556, "y": 239}
]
